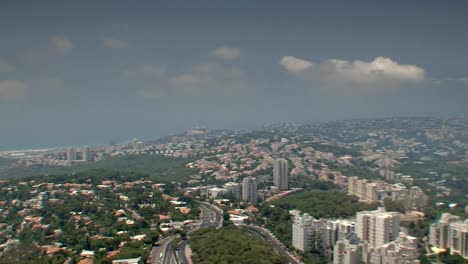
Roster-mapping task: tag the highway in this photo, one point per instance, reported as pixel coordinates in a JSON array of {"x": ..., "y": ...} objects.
[
  {"x": 163, "y": 254},
  {"x": 210, "y": 215},
  {"x": 268, "y": 236},
  {"x": 181, "y": 252}
]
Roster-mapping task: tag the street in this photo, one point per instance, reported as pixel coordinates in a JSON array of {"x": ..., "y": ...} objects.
[
  {"x": 267, "y": 236},
  {"x": 211, "y": 215}
]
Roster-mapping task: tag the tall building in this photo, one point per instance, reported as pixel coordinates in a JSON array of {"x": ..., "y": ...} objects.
[
  {"x": 352, "y": 185},
  {"x": 249, "y": 189},
  {"x": 309, "y": 233},
  {"x": 458, "y": 238},
  {"x": 450, "y": 233},
  {"x": 371, "y": 192},
  {"x": 88, "y": 154},
  {"x": 439, "y": 232},
  {"x": 280, "y": 174},
  {"x": 350, "y": 250},
  {"x": 235, "y": 189},
  {"x": 377, "y": 227},
  {"x": 71, "y": 154},
  {"x": 403, "y": 250},
  {"x": 302, "y": 232}
]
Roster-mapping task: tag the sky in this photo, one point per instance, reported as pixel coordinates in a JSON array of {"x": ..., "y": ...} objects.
[{"x": 87, "y": 72}]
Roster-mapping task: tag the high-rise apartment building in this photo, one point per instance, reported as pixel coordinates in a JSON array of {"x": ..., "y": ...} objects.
[
  {"x": 235, "y": 189},
  {"x": 71, "y": 154},
  {"x": 450, "y": 233},
  {"x": 314, "y": 234},
  {"x": 280, "y": 174},
  {"x": 439, "y": 232},
  {"x": 88, "y": 154},
  {"x": 377, "y": 227},
  {"x": 371, "y": 192},
  {"x": 403, "y": 250},
  {"x": 249, "y": 189},
  {"x": 302, "y": 232},
  {"x": 458, "y": 238},
  {"x": 350, "y": 250}
]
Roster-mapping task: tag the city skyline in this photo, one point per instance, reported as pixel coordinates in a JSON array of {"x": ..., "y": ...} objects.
[{"x": 87, "y": 73}]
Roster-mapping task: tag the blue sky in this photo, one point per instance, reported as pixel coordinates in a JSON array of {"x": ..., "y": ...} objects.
[{"x": 85, "y": 72}]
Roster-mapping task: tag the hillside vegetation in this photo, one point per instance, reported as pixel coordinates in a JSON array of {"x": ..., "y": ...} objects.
[
  {"x": 327, "y": 204},
  {"x": 231, "y": 245},
  {"x": 158, "y": 167}
]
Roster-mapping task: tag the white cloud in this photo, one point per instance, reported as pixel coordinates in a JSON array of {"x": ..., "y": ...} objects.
[
  {"x": 5, "y": 65},
  {"x": 208, "y": 78},
  {"x": 463, "y": 80},
  {"x": 12, "y": 90},
  {"x": 204, "y": 68},
  {"x": 154, "y": 71},
  {"x": 379, "y": 71},
  {"x": 61, "y": 44},
  {"x": 295, "y": 65},
  {"x": 112, "y": 43},
  {"x": 151, "y": 94},
  {"x": 147, "y": 70},
  {"x": 227, "y": 53},
  {"x": 186, "y": 80}
]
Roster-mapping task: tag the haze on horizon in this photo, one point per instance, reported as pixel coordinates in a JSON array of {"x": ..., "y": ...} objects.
[{"x": 86, "y": 72}]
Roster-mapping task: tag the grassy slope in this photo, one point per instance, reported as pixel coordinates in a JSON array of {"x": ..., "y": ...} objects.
[
  {"x": 165, "y": 168},
  {"x": 231, "y": 245},
  {"x": 328, "y": 204}
]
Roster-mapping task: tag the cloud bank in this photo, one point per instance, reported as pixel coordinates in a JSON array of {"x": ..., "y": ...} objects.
[
  {"x": 61, "y": 44},
  {"x": 227, "y": 53},
  {"x": 12, "y": 90},
  {"x": 295, "y": 65},
  {"x": 112, "y": 43},
  {"x": 5, "y": 65},
  {"x": 381, "y": 70}
]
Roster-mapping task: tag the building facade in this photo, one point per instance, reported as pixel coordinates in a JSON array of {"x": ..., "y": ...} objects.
[
  {"x": 71, "y": 154},
  {"x": 280, "y": 174},
  {"x": 377, "y": 227},
  {"x": 450, "y": 233},
  {"x": 88, "y": 154},
  {"x": 302, "y": 232},
  {"x": 249, "y": 189},
  {"x": 235, "y": 189}
]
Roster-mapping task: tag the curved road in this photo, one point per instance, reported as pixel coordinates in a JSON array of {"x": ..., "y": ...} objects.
[
  {"x": 211, "y": 215},
  {"x": 162, "y": 254},
  {"x": 268, "y": 236}
]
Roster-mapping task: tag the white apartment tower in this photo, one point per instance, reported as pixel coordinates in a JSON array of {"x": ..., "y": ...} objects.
[
  {"x": 234, "y": 188},
  {"x": 88, "y": 154},
  {"x": 302, "y": 232},
  {"x": 377, "y": 227},
  {"x": 439, "y": 232},
  {"x": 458, "y": 241},
  {"x": 249, "y": 189},
  {"x": 71, "y": 154},
  {"x": 450, "y": 232},
  {"x": 350, "y": 250},
  {"x": 280, "y": 174},
  {"x": 404, "y": 250}
]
